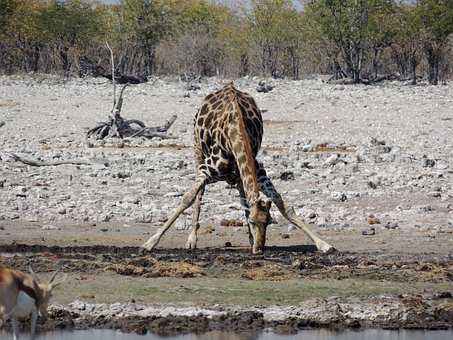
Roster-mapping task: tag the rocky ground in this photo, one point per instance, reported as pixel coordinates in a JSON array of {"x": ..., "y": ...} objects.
[
  {"x": 338, "y": 153},
  {"x": 369, "y": 167}
]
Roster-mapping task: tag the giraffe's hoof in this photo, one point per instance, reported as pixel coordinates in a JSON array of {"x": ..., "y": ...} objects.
[
  {"x": 191, "y": 243},
  {"x": 257, "y": 251},
  {"x": 326, "y": 248}
]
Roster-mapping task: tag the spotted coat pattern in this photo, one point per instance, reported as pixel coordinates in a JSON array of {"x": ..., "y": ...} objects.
[{"x": 228, "y": 130}]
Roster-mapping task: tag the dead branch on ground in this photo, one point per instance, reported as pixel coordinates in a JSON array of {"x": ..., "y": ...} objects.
[
  {"x": 33, "y": 162},
  {"x": 119, "y": 127}
]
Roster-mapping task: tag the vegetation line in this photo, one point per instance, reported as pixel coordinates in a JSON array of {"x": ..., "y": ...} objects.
[{"x": 361, "y": 40}]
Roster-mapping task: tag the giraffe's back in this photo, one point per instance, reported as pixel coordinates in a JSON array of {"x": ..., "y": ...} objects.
[{"x": 213, "y": 149}]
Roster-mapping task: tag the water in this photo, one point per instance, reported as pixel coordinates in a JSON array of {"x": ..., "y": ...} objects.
[{"x": 370, "y": 334}]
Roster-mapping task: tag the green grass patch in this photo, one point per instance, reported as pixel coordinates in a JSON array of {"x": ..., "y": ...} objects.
[{"x": 108, "y": 288}]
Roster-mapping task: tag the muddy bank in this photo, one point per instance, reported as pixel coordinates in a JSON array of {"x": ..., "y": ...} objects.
[
  {"x": 390, "y": 312},
  {"x": 277, "y": 264},
  {"x": 285, "y": 283}
]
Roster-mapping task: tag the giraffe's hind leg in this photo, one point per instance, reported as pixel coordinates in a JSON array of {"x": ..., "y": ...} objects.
[
  {"x": 267, "y": 187},
  {"x": 246, "y": 207},
  {"x": 193, "y": 237},
  {"x": 187, "y": 201}
]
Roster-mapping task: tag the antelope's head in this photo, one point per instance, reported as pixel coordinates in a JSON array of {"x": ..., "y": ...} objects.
[{"x": 46, "y": 289}]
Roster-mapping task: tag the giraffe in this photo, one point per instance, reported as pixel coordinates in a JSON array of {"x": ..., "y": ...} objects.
[{"x": 228, "y": 130}]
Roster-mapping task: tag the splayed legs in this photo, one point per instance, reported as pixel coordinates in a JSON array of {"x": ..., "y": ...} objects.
[
  {"x": 193, "y": 237},
  {"x": 267, "y": 187},
  {"x": 246, "y": 207},
  {"x": 187, "y": 201}
]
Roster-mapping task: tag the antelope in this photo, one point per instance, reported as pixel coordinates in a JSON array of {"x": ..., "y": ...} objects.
[{"x": 22, "y": 295}]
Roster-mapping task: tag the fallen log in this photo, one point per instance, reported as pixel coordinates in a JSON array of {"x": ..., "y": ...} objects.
[
  {"x": 33, "y": 162},
  {"x": 119, "y": 127}
]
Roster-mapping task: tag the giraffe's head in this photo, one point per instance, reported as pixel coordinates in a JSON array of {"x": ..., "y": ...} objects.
[{"x": 259, "y": 219}]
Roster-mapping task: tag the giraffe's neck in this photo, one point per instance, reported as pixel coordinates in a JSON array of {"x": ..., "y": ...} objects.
[{"x": 242, "y": 150}]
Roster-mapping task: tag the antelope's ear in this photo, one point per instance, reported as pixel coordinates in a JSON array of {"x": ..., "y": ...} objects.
[{"x": 33, "y": 274}]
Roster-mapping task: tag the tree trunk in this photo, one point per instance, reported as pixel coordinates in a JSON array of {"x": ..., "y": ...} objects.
[
  {"x": 295, "y": 62},
  {"x": 35, "y": 63},
  {"x": 375, "y": 62},
  {"x": 149, "y": 62},
  {"x": 413, "y": 63},
  {"x": 353, "y": 59},
  {"x": 356, "y": 76},
  {"x": 433, "y": 59},
  {"x": 64, "y": 59},
  {"x": 244, "y": 65}
]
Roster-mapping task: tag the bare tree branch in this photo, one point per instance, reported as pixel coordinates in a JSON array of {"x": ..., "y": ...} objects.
[
  {"x": 112, "y": 61},
  {"x": 33, "y": 162},
  {"x": 119, "y": 127}
]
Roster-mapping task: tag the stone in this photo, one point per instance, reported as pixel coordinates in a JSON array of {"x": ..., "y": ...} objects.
[
  {"x": 105, "y": 216},
  {"x": 263, "y": 87},
  {"x": 371, "y": 219},
  {"x": 428, "y": 163},
  {"x": 287, "y": 176},
  {"x": 339, "y": 196},
  {"x": 307, "y": 148},
  {"x": 131, "y": 199},
  {"x": 391, "y": 225},
  {"x": 369, "y": 232},
  {"x": 49, "y": 227},
  {"x": 332, "y": 160}
]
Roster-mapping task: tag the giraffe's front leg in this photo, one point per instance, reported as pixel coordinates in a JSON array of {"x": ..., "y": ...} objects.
[
  {"x": 267, "y": 187},
  {"x": 246, "y": 207},
  {"x": 187, "y": 201},
  {"x": 193, "y": 237}
]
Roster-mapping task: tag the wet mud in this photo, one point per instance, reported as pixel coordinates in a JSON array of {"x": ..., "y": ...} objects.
[
  {"x": 428, "y": 311},
  {"x": 290, "y": 262}
]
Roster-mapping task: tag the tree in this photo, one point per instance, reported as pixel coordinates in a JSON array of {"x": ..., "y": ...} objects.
[
  {"x": 276, "y": 29},
  {"x": 381, "y": 30},
  {"x": 437, "y": 24},
  {"x": 21, "y": 33},
  {"x": 407, "y": 45},
  {"x": 235, "y": 38},
  {"x": 143, "y": 24},
  {"x": 354, "y": 26},
  {"x": 7, "y": 8},
  {"x": 68, "y": 26},
  {"x": 293, "y": 42}
]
